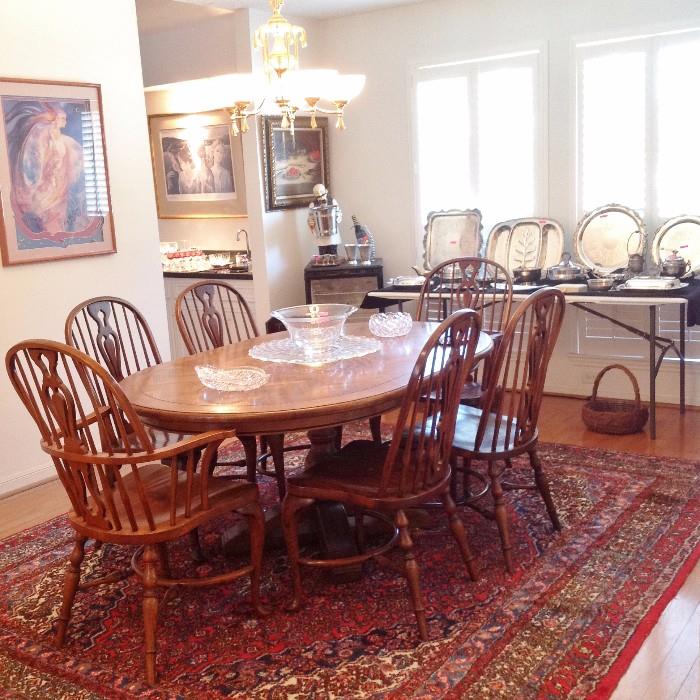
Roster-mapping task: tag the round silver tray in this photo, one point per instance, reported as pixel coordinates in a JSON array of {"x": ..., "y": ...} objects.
[{"x": 347, "y": 347}]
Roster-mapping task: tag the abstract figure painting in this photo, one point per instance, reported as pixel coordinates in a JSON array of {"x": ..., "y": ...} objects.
[
  {"x": 54, "y": 192},
  {"x": 197, "y": 166}
]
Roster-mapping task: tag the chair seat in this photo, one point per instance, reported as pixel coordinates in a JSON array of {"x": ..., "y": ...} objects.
[
  {"x": 357, "y": 468},
  {"x": 468, "y": 419},
  {"x": 155, "y": 480}
]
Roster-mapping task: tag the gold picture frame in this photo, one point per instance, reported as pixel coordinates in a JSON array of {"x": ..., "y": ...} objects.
[
  {"x": 197, "y": 166},
  {"x": 54, "y": 183}
]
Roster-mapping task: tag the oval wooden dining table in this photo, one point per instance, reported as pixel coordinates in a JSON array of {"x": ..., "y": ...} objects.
[{"x": 316, "y": 398}]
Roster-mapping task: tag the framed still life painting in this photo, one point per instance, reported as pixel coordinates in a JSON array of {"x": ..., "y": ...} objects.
[
  {"x": 54, "y": 185},
  {"x": 294, "y": 161},
  {"x": 197, "y": 166}
]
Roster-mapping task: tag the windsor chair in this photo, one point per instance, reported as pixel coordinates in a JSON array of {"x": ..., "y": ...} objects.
[{"x": 122, "y": 489}]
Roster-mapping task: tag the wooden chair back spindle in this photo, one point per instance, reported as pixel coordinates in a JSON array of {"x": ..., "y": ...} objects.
[
  {"x": 474, "y": 283},
  {"x": 211, "y": 315},
  {"x": 512, "y": 402},
  {"x": 422, "y": 438},
  {"x": 113, "y": 333}
]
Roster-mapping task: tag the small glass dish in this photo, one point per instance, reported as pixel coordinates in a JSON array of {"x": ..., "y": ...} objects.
[
  {"x": 390, "y": 325},
  {"x": 237, "y": 379}
]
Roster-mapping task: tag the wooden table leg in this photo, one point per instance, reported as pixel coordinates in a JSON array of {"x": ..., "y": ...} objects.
[{"x": 335, "y": 535}]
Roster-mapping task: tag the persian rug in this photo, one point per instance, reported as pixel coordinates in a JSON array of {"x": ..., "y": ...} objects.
[{"x": 565, "y": 625}]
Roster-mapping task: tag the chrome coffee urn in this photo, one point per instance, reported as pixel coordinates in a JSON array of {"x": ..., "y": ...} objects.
[{"x": 324, "y": 221}]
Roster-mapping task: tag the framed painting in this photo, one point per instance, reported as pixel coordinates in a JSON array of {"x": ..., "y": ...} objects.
[
  {"x": 197, "y": 166},
  {"x": 294, "y": 162},
  {"x": 54, "y": 183}
]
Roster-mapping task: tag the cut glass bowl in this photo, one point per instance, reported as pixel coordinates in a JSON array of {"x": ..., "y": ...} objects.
[
  {"x": 390, "y": 325},
  {"x": 237, "y": 379},
  {"x": 315, "y": 327}
]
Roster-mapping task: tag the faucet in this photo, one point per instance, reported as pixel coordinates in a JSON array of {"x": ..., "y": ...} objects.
[{"x": 247, "y": 242}]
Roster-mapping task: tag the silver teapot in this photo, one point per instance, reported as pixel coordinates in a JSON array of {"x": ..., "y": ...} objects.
[{"x": 675, "y": 265}]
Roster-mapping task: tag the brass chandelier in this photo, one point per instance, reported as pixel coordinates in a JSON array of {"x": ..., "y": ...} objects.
[{"x": 291, "y": 89}]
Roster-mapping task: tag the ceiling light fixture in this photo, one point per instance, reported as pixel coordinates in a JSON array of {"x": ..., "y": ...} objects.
[{"x": 291, "y": 89}]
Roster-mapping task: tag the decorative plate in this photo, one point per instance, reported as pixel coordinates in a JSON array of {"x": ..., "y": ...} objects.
[
  {"x": 526, "y": 243},
  {"x": 682, "y": 233},
  {"x": 605, "y": 238}
]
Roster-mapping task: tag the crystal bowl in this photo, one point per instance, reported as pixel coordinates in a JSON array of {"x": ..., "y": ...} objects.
[
  {"x": 315, "y": 327},
  {"x": 236, "y": 379},
  {"x": 390, "y": 325}
]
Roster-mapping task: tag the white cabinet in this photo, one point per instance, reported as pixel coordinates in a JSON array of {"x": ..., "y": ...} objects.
[{"x": 175, "y": 285}]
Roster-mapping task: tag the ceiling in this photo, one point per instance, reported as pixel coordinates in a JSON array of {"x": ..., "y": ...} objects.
[{"x": 157, "y": 15}]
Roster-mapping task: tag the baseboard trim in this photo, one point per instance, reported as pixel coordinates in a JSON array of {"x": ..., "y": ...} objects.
[{"x": 26, "y": 480}]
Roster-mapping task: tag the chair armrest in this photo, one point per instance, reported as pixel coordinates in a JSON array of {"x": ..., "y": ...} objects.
[{"x": 189, "y": 444}]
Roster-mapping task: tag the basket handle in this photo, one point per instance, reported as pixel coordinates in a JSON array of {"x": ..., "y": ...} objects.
[{"x": 632, "y": 378}]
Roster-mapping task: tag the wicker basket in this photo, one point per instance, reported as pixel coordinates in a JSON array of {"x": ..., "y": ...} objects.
[{"x": 615, "y": 416}]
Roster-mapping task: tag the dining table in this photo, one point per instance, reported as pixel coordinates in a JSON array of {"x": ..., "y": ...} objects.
[{"x": 312, "y": 397}]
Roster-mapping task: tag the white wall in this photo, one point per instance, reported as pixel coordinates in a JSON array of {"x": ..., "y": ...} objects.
[
  {"x": 77, "y": 41},
  {"x": 372, "y": 165}
]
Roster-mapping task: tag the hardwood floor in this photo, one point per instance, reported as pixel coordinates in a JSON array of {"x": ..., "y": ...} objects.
[{"x": 667, "y": 666}]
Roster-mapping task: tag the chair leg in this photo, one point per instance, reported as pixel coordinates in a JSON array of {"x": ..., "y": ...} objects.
[
  {"x": 290, "y": 507},
  {"x": 276, "y": 445},
  {"x": 466, "y": 478},
  {"x": 250, "y": 447},
  {"x": 264, "y": 446},
  {"x": 375, "y": 426},
  {"x": 70, "y": 586},
  {"x": 501, "y": 515},
  {"x": 150, "y": 609},
  {"x": 338, "y": 442},
  {"x": 457, "y": 527},
  {"x": 543, "y": 488},
  {"x": 163, "y": 560},
  {"x": 360, "y": 530},
  {"x": 453, "y": 478},
  {"x": 196, "y": 546},
  {"x": 412, "y": 574},
  {"x": 256, "y": 527}
]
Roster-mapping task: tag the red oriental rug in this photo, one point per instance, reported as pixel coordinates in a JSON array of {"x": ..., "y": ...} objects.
[{"x": 566, "y": 625}]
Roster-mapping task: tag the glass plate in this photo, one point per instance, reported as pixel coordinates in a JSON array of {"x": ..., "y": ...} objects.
[
  {"x": 236, "y": 379},
  {"x": 286, "y": 350}
]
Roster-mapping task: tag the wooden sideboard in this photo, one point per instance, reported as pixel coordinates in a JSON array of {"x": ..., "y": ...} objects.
[{"x": 342, "y": 284}]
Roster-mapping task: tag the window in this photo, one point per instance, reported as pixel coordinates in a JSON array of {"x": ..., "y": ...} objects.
[
  {"x": 638, "y": 141},
  {"x": 479, "y": 134},
  {"x": 639, "y": 145}
]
